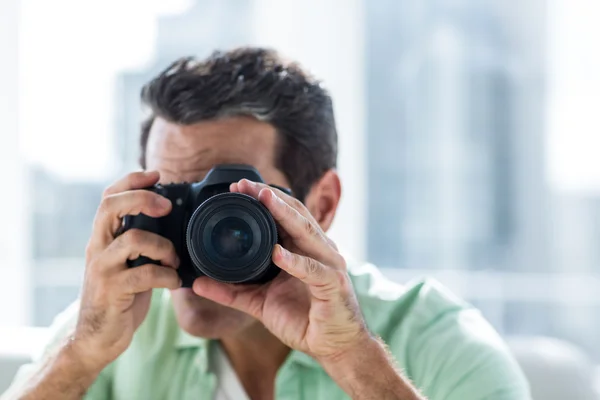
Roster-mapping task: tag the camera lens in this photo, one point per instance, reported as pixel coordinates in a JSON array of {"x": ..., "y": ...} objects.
[{"x": 230, "y": 238}]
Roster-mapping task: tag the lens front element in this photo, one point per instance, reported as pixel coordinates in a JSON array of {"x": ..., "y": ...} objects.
[{"x": 230, "y": 238}]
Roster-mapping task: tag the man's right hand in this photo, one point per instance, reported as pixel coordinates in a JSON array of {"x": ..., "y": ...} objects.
[{"x": 115, "y": 299}]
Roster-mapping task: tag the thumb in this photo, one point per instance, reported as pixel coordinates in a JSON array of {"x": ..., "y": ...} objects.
[{"x": 246, "y": 298}]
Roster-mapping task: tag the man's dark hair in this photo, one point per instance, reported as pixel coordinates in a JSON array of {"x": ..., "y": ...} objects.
[{"x": 255, "y": 82}]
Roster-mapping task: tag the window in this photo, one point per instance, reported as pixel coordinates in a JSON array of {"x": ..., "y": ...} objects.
[{"x": 467, "y": 138}]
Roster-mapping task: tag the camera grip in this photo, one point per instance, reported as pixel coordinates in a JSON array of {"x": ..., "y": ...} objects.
[
  {"x": 142, "y": 222},
  {"x": 138, "y": 262}
]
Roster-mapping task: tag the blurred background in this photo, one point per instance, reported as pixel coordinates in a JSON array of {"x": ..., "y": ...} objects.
[{"x": 468, "y": 141}]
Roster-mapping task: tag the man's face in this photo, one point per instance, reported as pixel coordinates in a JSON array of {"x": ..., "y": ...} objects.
[{"x": 187, "y": 153}]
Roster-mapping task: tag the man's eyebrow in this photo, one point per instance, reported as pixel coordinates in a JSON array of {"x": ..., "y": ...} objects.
[{"x": 178, "y": 175}]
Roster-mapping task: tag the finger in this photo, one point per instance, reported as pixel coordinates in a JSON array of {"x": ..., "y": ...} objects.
[
  {"x": 146, "y": 277},
  {"x": 134, "y": 202},
  {"x": 305, "y": 233},
  {"x": 114, "y": 207},
  {"x": 135, "y": 243},
  {"x": 320, "y": 279},
  {"x": 253, "y": 189},
  {"x": 246, "y": 298},
  {"x": 135, "y": 180}
]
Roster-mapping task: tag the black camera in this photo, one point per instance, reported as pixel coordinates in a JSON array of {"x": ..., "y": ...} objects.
[{"x": 226, "y": 236}]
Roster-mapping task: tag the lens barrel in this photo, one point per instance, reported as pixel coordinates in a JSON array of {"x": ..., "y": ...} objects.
[{"x": 230, "y": 238}]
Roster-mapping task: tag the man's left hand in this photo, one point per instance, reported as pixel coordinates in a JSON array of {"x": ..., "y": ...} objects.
[{"x": 310, "y": 306}]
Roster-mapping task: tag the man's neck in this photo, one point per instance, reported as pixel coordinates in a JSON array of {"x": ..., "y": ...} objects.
[{"x": 256, "y": 356}]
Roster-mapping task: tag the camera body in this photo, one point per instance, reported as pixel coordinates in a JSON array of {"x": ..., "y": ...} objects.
[{"x": 226, "y": 236}]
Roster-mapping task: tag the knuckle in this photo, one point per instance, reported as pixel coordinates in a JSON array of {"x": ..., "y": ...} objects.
[
  {"x": 331, "y": 243},
  {"x": 290, "y": 212},
  {"x": 92, "y": 265},
  {"x": 343, "y": 283},
  {"x": 160, "y": 247},
  {"x": 145, "y": 201},
  {"x": 341, "y": 278},
  {"x": 107, "y": 191},
  {"x": 340, "y": 262},
  {"x": 151, "y": 273},
  {"x": 170, "y": 246},
  {"x": 309, "y": 227},
  {"x": 133, "y": 238},
  {"x": 120, "y": 242},
  {"x": 297, "y": 204},
  {"x": 312, "y": 267},
  {"x": 292, "y": 260},
  {"x": 146, "y": 197},
  {"x": 134, "y": 279},
  {"x": 90, "y": 251},
  {"x": 95, "y": 269},
  {"x": 106, "y": 205},
  {"x": 163, "y": 244},
  {"x": 132, "y": 178}
]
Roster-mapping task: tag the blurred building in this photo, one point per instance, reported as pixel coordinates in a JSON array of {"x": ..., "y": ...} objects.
[
  {"x": 61, "y": 221},
  {"x": 206, "y": 26},
  {"x": 456, "y": 155},
  {"x": 455, "y": 134},
  {"x": 575, "y": 232},
  {"x": 63, "y": 211},
  {"x": 574, "y": 227},
  {"x": 14, "y": 211}
]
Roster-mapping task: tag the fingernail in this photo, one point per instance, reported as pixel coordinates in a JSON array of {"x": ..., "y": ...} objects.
[
  {"x": 180, "y": 283},
  {"x": 279, "y": 199},
  {"x": 163, "y": 202},
  {"x": 284, "y": 253}
]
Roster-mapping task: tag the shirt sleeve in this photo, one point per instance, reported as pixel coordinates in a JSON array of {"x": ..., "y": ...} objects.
[
  {"x": 459, "y": 356},
  {"x": 61, "y": 327}
]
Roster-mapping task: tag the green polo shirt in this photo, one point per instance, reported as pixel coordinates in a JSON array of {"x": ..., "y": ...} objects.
[{"x": 443, "y": 345}]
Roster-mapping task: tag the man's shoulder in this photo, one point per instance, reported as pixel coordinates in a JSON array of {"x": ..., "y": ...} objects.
[
  {"x": 389, "y": 306},
  {"x": 442, "y": 342},
  {"x": 411, "y": 312}
]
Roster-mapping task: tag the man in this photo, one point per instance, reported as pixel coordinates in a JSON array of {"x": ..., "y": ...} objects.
[{"x": 324, "y": 328}]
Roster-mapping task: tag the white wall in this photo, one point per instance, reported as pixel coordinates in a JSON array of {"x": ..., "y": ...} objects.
[
  {"x": 14, "y": 282},
  {"x": 333, "y": 50}
]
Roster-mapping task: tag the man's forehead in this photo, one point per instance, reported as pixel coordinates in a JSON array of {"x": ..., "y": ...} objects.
[{"x": 188, "y": 152}]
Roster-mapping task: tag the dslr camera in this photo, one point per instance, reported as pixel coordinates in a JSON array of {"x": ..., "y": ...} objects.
[{"x": 226, "y": 236}]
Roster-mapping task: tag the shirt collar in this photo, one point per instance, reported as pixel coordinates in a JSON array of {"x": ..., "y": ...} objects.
[{"x": 184, "y": 340}]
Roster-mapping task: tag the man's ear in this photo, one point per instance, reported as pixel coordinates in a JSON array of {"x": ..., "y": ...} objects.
[{"x": 323, "y": 199}]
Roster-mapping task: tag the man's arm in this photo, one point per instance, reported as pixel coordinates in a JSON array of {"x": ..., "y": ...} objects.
[
  {"x": 115, "y": 299},
  {"x": 370, "y": 372},
  {"x": 61, "y": 375}
]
